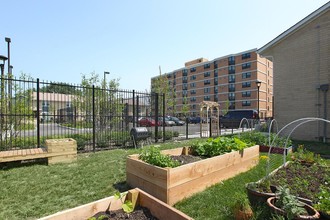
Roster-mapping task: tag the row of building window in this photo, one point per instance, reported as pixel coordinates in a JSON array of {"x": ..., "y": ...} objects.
[{"x": 231, "y": 70}]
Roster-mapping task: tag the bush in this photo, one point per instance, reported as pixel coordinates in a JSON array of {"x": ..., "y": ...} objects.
[{"x": 152, "y": 155}]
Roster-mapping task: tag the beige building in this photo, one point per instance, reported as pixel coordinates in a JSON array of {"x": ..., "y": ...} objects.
[
  {"x": 52, "y": 104},
  {"x": 302, "y": 74},
  {"x": 229, "y": 80}
]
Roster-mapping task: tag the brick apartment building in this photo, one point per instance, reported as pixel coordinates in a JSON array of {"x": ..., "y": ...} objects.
[{"x": 230, "y": 81}]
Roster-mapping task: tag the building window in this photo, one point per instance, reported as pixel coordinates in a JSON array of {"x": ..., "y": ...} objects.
[
  {"x": 207, "y": 74},
  {"x": 231, "y": 60},
  {"x": 246, "y": 103},
  {"x": 231, "y": 96},
  {"x": 169, "y": 76},
  {"x": 231, "y": 87},
  {"x": 207, "y": 90},
  {"x": 231, "y": 78},
  {"x": 192, "y": 92},
  {"x": 246, "y": 84},
  {"x": 215, "y": 73},
  {"x": 184, "y": 72},
  {"x": 193, "y": 77},
  {"x": 193, "y": 99},
  {"x": 193, "y": 69},
  {"x": 231, "y": 69},
  {"x": 216, "y": 89},
  {"x": 246, "y": 56},
  {"x": 207, "y": 98},
  {"x": 215, "y": 64},
  {"x": 246, "y": 75},
  {"x": 184, "y": 86},
  {"x": 192, "y": 85},
  {"x": 231, "y": 105},
  {"x": 215, "y": 81},
  {"x": 246, "y": 65},
  {"x": 207, "y": 82},
  {"x": 193, "y": 106},
  {"x": 206, "y": 66},
  {"x": 184, "y": 79},
  {"x": 174, "y": 75},
  {"x": 246, "y": 94}
]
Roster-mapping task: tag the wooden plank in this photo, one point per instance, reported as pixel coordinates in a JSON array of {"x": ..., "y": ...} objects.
[
  {"x": 182, "y": 191},
  {"x": 189, "y": 178},
  {"x": 151, "y": 173},
  {"x": 149, "y": 187},
  {"x": 159, "y": 209}
]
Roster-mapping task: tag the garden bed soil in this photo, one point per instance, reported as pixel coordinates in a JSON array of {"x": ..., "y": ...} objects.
[
  {"x": 303, "y": 180},
  {"x": 139, "y": 213},
  {"x": 185, "y": 159}
]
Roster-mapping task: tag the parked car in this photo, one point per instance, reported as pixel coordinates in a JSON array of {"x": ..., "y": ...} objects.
[
  {"x": 194, "y": 120},
  {"x": 147, "y": 122},
  {"x": 168, "y": 122},
  {"x": 233, "y": 118},
  {"x": 176, "y": 120}
]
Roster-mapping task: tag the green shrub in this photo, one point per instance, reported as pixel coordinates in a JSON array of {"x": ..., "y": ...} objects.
[
  {"x": 217, "y": 146},
  {"x": 152, "y": 155}
]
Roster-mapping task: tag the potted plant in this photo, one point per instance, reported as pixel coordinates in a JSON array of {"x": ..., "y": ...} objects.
[
  {"x": 259, "y": 192},
  {"x": 289, "y": 206},
  {"x": 242, "y": 209},
  {"x": 323, "y": 203}
]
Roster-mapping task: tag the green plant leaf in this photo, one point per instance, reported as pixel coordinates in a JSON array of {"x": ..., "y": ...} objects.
[{"x": 128, "y": 206}]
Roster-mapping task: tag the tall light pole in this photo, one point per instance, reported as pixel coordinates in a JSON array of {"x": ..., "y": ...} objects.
[
  {"x": 258, "y": 83},
  {"x": 8, "y": 40},
  {"x": 104, "y": 81}
]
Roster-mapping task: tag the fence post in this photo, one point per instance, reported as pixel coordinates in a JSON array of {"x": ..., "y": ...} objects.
[
  {"x": 133, "y": 108},
  {"x": 187, "y": 127},
  {"x": 156, "y": 117},
  {"x": 38, "y": 113},
  {"x": 94, "y": 116},
  {"x": 164, "y": 138},
  {"x": 137, "y": 110}
]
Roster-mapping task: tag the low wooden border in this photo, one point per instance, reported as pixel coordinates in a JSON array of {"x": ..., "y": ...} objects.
[
  {"x": 157, "y": 208},
  {"x": 171, "y": 185}
]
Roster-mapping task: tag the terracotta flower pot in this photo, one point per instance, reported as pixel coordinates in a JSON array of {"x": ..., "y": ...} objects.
[{"x": 312, "y": 213}]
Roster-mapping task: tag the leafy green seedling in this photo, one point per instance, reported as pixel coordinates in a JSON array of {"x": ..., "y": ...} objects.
[{"x": 127, "y": 205}]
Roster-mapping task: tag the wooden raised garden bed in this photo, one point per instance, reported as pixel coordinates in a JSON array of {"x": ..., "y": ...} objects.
[
  {"x": 138, "y": 197},
  {"x": 171, "y": 185}
]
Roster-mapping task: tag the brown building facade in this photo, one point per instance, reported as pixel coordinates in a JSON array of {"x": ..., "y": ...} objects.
[
  {"x": 301, "y": 57},
  {"x": 230, "y": 81}
]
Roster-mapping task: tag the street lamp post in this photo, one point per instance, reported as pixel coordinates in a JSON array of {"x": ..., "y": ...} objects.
[
  {"x": 258, "y": 83},
  {"x": 104, "y": 81}
]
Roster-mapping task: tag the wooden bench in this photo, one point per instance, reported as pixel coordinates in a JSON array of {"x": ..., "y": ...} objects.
[{"x": 57, "y": 151}]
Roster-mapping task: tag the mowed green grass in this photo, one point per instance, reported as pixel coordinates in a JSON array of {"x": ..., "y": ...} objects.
[{"x": 30, "y": 192}]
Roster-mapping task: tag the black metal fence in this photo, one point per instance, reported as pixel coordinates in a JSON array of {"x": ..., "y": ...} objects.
[{"x": 32, "y": 111}]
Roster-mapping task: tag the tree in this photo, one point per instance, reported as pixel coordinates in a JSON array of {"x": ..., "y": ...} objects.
[
  {"x": 161, "y": 86},
  {"x": 108, "y": 107},
  {"x": 16, "y": 111},
  {"x": 61, "y": 88}
]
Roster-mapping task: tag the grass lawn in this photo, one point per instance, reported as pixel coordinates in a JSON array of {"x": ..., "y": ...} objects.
[{"x": 29, "y": 192}]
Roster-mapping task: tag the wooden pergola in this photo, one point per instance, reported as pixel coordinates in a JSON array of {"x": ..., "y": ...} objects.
[{"x": 209, "y": 110}]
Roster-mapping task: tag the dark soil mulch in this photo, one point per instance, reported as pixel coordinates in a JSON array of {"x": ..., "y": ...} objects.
[
  {"x": 140, "y": 213},
  {"x": 185, "y": 159},
  {"x": 303, "y": 180}
]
